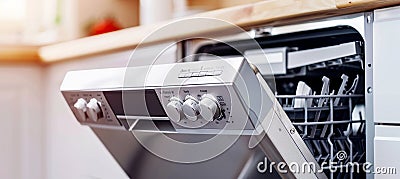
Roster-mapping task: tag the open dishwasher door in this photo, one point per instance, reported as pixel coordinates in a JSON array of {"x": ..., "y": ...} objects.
[{"x": 195, "y": 119}]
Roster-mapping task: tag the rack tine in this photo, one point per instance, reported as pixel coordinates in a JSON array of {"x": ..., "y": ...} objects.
[
  {"x": 340, "y": 144},
  {"x": 321, "y": 102},
  {"x": 349, "y": 130},
  {"x": 330, "y": 136},
  {"x": 325, "y": 145},
  {"x": 305, "y": 119},
  {"x": 287, "y": 102},
  {"x": 354, "y": 156},
  {"x": 324, "y": 159},
  {"x": 350, "y": 156},
  {"x": 323, "y": 132},
  {"x": 362, "y": 128},
  {"x": 360, "y": 158},
  {"x": 318, "y": 147},
  {"x": 309, "y": 145},
  {"x": 331, "y": 156},
  {"x": 342, "y": 89}
]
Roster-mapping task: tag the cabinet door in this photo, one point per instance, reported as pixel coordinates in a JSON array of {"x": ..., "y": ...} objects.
[
  {"x": 20, "y": 122},
  {"x": 386, "y": 65},
  {"x": 387, "y": 147}
]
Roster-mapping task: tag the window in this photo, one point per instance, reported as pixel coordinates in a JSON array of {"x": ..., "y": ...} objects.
[{"x": 12, "y": 15}]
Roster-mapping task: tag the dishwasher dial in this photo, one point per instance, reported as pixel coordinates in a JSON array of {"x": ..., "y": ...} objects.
[
  {"x": 80, "y": 108},
  {"x": 209, "y": 107},
  {"x": 174, "y": 109},
  {"x": 191, "y": 108},
  {"x": 93, "y": 110}
]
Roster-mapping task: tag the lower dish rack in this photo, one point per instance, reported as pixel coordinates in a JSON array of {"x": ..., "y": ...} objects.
[{"x": 335, "y": 134}]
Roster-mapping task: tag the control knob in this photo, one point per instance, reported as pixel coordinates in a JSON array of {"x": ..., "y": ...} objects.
[
  {"x": 93, "y": 110},
  {"x": 174, "y": 109},
  {"x": 209, "y": 107},
  {"x": 191, "y": 108},
  {"x": 80, "y": 108}
]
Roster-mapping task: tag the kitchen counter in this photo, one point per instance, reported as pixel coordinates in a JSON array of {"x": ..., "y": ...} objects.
[
  {"x": 19, "y": 53},
  {"x": 271, "y": 12}
]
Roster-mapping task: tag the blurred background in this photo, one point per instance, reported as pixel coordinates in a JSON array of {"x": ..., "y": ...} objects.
[{"x": 49, "y": 21}]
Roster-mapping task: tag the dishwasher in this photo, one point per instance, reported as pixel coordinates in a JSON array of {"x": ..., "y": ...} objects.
[{"x": 317, "y": 72}]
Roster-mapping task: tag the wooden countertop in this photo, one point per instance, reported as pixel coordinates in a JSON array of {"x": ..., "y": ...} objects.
[
  {"x": 19, "y": 53},
  {"x": 271, "y": 12}
]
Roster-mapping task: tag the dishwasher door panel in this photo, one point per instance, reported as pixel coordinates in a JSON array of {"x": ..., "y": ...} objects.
[{"x": 238, "y": 161}]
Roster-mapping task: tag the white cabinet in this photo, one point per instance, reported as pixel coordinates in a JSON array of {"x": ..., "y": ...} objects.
[
  {"x": 21, "y": 122},
  {"x": 385, "y": 90},
  {"x": 387, "y": 147},
  {"x": 386, "y": 65}
]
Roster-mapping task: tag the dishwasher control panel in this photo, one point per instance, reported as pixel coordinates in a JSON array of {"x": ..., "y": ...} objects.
[
  {"x": 91, "y": 108},
  {"x": 207, "y": 107},
  {"x": 196, "y": 97}
]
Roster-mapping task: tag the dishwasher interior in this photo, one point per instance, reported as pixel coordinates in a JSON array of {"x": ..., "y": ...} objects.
[{"x": 318, "y": 77}]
